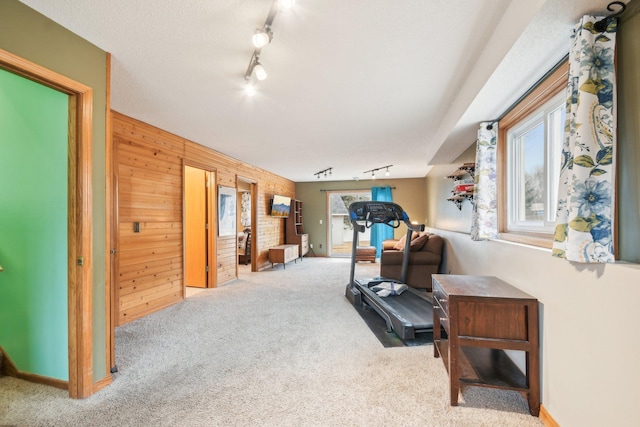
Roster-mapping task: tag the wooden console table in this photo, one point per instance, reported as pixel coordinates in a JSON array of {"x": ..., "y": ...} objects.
[
  {"x": 484, "y": 316},
  {"x": 282, "y": 254}
]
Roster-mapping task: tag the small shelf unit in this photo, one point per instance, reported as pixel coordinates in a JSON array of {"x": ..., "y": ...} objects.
[
  {"x": 294, "y": 233},
  {"x": 463, "y": 184}
]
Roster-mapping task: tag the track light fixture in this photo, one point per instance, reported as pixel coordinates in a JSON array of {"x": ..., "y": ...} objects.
[
  {"x": 260, "y": 39},
  {"x": 324, "y": 171},
  {"x": 374, "y": 170}
]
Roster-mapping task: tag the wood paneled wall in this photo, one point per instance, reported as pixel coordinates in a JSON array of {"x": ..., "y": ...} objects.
[{"x": 149, "y": 167}]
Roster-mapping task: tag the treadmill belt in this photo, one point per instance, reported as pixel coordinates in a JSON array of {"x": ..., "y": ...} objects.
[
  {"x": 412, "y": 311},
  {"x": 412, "y": 308}
]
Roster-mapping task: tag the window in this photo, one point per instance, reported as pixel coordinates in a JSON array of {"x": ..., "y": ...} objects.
[
  {"x": 534, "y": 148},
  {"x": 529, "y": 148}
]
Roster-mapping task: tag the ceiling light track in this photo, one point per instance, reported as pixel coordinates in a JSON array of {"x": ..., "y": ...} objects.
[
  {"x": 374, "y": 170},
  {"x": 261, "y": 38},
  {"x": 325, "y": 172}
]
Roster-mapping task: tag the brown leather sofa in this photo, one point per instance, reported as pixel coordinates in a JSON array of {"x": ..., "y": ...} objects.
[{"x": 423, "y": 260}]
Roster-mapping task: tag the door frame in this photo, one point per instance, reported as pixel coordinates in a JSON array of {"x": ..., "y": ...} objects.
[{"x": 80, "y": 222}]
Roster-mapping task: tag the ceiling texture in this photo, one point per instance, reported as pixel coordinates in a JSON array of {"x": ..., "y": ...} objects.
[{"x": 352, "y": 85}]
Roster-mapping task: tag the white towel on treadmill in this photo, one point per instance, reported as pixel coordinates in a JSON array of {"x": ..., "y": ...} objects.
[{"x": 384, "y": 289}]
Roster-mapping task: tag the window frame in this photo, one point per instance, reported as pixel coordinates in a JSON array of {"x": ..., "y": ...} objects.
[
  {"x": 552, "y": 144},
  {"x": 549, "y": 87}
]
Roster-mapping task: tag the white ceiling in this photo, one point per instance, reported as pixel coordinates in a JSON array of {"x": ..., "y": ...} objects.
[{"x": 352, "y": 84}]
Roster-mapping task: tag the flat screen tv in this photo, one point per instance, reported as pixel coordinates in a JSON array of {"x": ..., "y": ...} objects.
[{"x": 280, "y": 206}]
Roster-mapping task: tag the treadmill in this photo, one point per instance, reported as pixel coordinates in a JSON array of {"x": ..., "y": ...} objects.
[{"x": 406, "y": 314}]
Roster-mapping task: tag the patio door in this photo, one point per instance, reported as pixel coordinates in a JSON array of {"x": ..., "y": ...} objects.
[{"x": 341, "y": 230}]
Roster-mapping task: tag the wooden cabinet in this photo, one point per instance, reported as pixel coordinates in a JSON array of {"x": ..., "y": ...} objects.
[
  {"x": 482, "y": 317},
  {"x": 282, "y": 254},
  {"x": 294, "y": 233}
]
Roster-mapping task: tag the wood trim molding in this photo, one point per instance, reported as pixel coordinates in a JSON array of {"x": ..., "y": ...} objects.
[
  {"x": 79, "y": 218},
  {"x": 546, "y": 418},
  {"x": 555, "y": 82},
  {"x": 9, "y": 368},
  {"x": 541, "y": 94},
  {"x": 100, "y": 384},
  {"x": 111, "y": 265}
]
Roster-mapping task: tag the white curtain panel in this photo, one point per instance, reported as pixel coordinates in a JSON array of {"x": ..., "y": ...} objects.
[
  {"x": 584, "y": 221},
  {"x": 484, "y": 223}
]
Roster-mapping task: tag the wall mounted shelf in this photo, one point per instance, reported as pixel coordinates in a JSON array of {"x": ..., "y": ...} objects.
[{"x": 463, "y": 184}]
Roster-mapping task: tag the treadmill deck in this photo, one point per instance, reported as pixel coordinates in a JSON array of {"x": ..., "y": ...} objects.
[{"x": 407, "y": 314}]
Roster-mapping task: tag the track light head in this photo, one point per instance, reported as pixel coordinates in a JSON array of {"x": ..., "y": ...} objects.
[
  {"x": 250, "y": 89},
  {"x": 259, "y": 71},
  {"x": 261, "y": 38}
]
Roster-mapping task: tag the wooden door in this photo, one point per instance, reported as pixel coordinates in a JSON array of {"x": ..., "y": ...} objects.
[{"x": 195, "y": 227}]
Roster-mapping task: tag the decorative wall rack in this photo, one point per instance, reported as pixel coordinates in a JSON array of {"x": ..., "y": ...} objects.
[{"x": 463, "y": 184}]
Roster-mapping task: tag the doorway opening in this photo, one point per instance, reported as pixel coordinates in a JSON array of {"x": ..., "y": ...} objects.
[
  {"x": 341, "y": 229},
  {"x": 247, "y": 225},
  {"x": 79, "y": 257},
  {"x": 199, "y": 228}
]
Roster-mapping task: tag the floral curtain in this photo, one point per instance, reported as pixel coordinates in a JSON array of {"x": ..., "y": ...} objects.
[
  {"x": 584, "y": 220},
  {"x": 380, "y": 232},
  {"x": 484, "y": 224}
]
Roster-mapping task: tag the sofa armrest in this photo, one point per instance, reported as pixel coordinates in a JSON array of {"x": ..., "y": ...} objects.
[
  {"x": 388, "y": 245},
  {"x": 434, "y": 245}
]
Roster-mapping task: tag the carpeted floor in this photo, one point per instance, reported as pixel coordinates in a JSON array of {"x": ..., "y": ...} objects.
[{"x": 282, "y": 347}]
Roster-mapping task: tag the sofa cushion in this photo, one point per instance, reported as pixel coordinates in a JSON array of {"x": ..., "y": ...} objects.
[
  {"x": 419, "y": 257},
  {"x": 418, "y": 243},
  {"x": 400, "y": 243},
  {"x": 399, "y": 246}
]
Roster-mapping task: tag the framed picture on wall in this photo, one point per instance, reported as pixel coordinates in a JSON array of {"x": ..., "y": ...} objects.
[{"x": 226, "y": 211}]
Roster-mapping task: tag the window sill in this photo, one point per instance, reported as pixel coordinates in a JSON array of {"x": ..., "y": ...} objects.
[{"x": 543, "y": 240}]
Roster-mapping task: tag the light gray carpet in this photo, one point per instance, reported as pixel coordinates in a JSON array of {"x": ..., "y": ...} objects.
[{"x": 282, "y": 347}]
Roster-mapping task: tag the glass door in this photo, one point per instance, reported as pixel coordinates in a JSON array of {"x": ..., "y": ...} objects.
[{"x": 341, "y": 230}]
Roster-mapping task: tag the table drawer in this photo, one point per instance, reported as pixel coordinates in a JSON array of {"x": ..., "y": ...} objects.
[
  {"x": 440, "y": 298},
  {"x": 444, "y": 318}
]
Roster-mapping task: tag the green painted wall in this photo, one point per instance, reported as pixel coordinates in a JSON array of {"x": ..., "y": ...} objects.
[
  {"x": 33, "y": 226},
  {"x": 32, "y": 36},
  {"x": 409, "y": 193}
]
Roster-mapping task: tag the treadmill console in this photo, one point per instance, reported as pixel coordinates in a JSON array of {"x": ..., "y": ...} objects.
[{"x": 377, "y": 213}]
